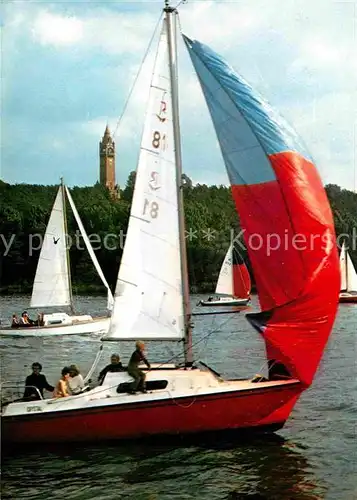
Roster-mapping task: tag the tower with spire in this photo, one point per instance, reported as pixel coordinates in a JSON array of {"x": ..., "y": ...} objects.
[{"x": 107, "y": 162}]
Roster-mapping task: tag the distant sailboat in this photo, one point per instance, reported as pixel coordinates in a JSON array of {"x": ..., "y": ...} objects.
[
  {"x": 52, "y": 284},
  {"x": 233, "y": 285},
  {"x": 348, "y": 292},
  {"x": 277, "y": 190}
]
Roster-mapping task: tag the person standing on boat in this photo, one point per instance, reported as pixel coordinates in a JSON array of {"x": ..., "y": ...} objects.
[
  {"x": 36, "y": 383},
  {"x": 133, "y": 368},
  {"x": 75, "y": 382},
  {"x": 114, "y": 366}
]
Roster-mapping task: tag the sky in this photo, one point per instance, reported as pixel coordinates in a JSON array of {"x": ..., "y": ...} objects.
[{"x": 69, "y": 66}]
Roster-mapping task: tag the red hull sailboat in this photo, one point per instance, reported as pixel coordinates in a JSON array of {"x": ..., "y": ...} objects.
[
  {"x": 233, "y": 285},
  {"x": 277, "y": 191}
]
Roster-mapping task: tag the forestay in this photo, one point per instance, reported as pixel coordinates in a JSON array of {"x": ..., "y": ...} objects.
[
  {"x": 148, "y": 300},
  {"x": 51, "y": 286},
  {"x": 89, "y": 248}
]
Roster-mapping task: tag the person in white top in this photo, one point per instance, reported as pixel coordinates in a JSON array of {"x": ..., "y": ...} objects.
[{"x": 75, "y": 382}]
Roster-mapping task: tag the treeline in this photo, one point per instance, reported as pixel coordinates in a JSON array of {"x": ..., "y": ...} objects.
[{"x": 210, "y": 221}]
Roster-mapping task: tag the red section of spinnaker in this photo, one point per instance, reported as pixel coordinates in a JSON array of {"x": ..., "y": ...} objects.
[{"x": 293, "y": 253}]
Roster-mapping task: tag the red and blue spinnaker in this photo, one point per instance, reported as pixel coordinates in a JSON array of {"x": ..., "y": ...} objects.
[{"x": 285, "y": 214}]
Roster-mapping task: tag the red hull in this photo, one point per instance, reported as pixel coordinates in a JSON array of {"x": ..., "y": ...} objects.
[{"x": 256, "y": 408}]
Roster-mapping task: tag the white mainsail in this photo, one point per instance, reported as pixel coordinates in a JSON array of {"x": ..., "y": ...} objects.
[
  {"x": 89, "y": 248},
  {"x": 348, "y": 272},
  {"x": 225, "y": 280},
  {"x": 51, "y": 286},
  {"x": 148, "y": 300}
]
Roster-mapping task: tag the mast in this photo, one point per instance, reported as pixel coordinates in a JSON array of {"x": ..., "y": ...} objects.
[
  {"x": 232, "y": 269},
  {"x": 67, "y": 250},
  {"x": 170, "y": 12},
  {"x": 346, "y": 266}
]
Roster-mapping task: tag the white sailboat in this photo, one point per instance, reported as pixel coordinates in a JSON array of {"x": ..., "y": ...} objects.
[
  {"x": 233, "y": 285},
  {"x": 152, "y": 294},
  {"x": 52, "y": 284},
  {"x": 348, "y": 292}
]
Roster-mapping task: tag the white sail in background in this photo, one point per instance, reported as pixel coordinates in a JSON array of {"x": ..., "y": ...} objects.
[
  {"x": 348, "y": 272},
  {"x": 343, "y": 267},
  {"x": 225, "y": 279},
  {"x": 351, "y": 275},
  {"x": 90, "y": 249},
  {"x": 148, "y": 299},
  {"x": 51, "y": 286}
]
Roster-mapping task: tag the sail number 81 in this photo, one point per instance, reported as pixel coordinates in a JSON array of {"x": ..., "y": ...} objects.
[{"x": 151, "y": 208}]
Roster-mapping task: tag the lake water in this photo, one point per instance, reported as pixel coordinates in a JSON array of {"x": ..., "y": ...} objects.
[{"x": 313, "y": 457}]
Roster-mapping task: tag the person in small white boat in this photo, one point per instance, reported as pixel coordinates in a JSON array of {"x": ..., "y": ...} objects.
[
  {"x": 114, "y": 366},
  {"x": 15, "y": 322},
  {"x": 40, "y": 320},
  {"x": 26, "y": 320},
  {"x": 36, "y": 381},
  {"x": 61, "y": 389},
  {"x": 75, "y": 383},
  {"x": 133, "y": 368}
]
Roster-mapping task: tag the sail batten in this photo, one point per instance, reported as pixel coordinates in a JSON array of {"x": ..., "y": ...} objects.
[
  {"x": 51, "y": 286},
  {"x": 153, "y": 308},
  {"x": 279, "y": 197}
]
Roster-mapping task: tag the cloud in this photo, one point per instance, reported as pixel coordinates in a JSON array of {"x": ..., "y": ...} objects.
[
  {"x": 68, "y": 69},
  {"x": 57, "y": 30}
]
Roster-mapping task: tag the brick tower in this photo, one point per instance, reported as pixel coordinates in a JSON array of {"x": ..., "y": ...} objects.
[{"x": 107, "y": 162}]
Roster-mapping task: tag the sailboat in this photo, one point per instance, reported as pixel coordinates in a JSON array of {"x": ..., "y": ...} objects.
[
  {"x": 348, "y": 292},
  {"x": 52, "y": 284},
  {"x": 233, "y": 285},
  {"x": 276, "y": 188}
]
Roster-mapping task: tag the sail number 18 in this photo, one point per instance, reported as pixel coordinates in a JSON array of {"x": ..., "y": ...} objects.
[{"x": 151, "y": 208}]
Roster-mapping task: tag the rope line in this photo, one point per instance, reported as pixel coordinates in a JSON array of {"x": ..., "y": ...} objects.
[
  {"x": 85, "y": 394},
  {"x": 137, "y": 76}
]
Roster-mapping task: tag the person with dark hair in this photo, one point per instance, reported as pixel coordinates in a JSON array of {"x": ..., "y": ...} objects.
[
  {"x": 36, "y": 383},
  {"x": 15, "y": 323},
  {"x": 133, "y": 368},
  {"x": 114, "y": 366},
  {"x": 26, "y": 320},
  {"x": 61, "y": 389}
]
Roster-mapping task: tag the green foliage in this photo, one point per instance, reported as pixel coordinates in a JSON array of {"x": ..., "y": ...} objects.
[{"x": 210, "y": 219}]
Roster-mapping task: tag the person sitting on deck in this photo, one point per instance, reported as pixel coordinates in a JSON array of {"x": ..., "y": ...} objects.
[
  {"x": 114, "y": 366},
  {"x": 36, "y": 381},
  {"x": 26, "y": 320},
  {"x": 61, "y": 389},
  {"x": 133, "y": 368},
  {"x": 75, "y": 383},
  {"x": 15, "y": 323}
]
